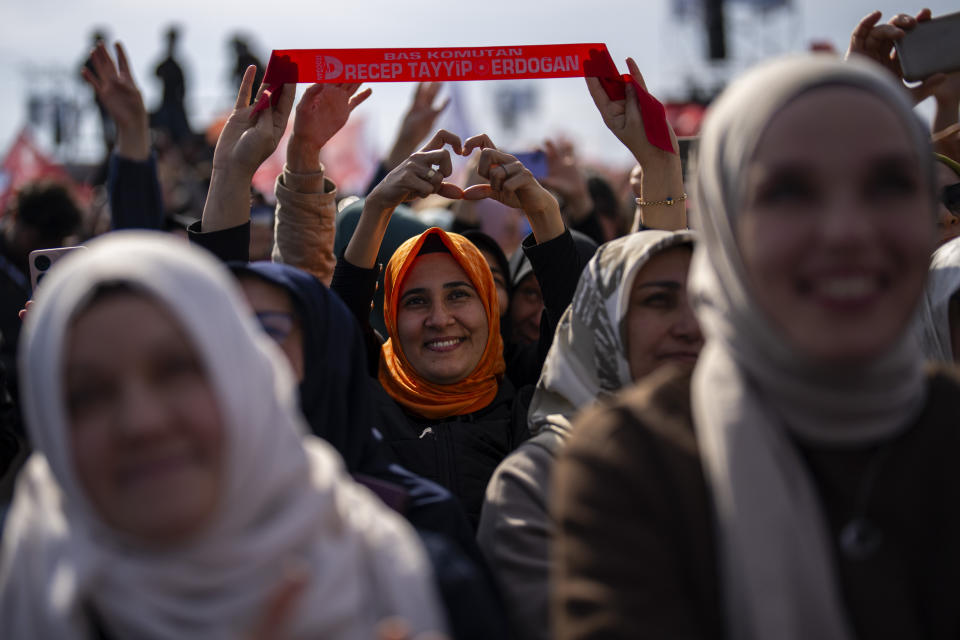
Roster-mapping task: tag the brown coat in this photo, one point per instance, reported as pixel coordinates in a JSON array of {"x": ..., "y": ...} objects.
[{"x": 636, "y": 555}]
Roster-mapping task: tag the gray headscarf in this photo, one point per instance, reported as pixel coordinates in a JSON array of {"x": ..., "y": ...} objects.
[
  {"x": 752, "y": 390},
  {"x": 942, "y": 284},
  {"x": 588, "y": 357}
]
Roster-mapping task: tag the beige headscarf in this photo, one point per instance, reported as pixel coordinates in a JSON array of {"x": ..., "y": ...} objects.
[
  {"x": 284, "y": 496},
  {"x": 752, "y": 391}
]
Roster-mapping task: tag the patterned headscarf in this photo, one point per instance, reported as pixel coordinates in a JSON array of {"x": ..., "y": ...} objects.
[{"x": 588, "y": 358}]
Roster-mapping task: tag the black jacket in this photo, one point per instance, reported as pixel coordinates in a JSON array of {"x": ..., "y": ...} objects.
[{"x": 459, "y": 452}]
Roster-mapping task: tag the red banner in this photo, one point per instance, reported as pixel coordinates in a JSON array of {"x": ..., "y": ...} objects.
[{"x": 288, "y": 66}]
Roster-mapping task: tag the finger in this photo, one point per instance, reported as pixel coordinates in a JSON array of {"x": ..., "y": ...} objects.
[
  {"x": 450, "y": 191},
  {"x": 351, "y": 88},
  {"x": 551, "y": 151},
  {"x": 924, "y": 15},
  {"x": 632, "y": 106},
  {"x": 418, "y": 187},
  {"x": 635, "y": 72},
  {"x": 478, "y": 192},
  {"x": 441, "y": 138},
  {"x": 122, "y": 60},
  {"x": 517, "y": 181},
  {"x": 479, "y": 141},
  {"x": 439, "y": 159},
  {"x": 91, "y": 80},
  {"x": 357, "y": 100},
  {"x": 430, "y": 93},
  {"x": 598, "y": 94},
  {"x": 926, "y": 88},
  {"x": 903, "y": 21},
  {"x": 859, "y": 36},
  {"x": 246, "y": 88},
  {"x": 288, "y": 92},
  {"x": 103, "y": 63},
  {"x": 489, "y": 158},
  {"x": 443, "y": 105},
  {"x": 312, "y": 92}
]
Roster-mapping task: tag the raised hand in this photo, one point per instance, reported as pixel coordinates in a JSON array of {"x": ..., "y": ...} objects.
[
  {"x": 118, "y": 93},
  {"x": 321, "y": 113},
  {"x": 420, "y": 175},
  {"x": 513, "y": 184},
  {"x": 248, "y": 138},
  {"x": 564, "y": 177},
  {"x": 417, "y": 123},
  {"x": 876, "y": 41},
  {"x": 623, "y": 118}
]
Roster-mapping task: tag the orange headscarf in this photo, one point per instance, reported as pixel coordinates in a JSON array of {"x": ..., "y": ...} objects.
[{"x": 398, "y": 377}]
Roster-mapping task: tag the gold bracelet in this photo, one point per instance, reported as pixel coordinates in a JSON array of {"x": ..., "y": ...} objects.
[{"x": 669, "y": 201}]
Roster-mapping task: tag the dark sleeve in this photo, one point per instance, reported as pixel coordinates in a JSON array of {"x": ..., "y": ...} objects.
[
  {"x": 617, "y": 571},
  {"x": 356, "y": 286},
  {"x": 230, "y": 245},
  {"x": 377, "y": 178},
  {"x": 134, "y": 191},
  {"x": 590, "y": 226},
  {"x": 557, "y": 265}
]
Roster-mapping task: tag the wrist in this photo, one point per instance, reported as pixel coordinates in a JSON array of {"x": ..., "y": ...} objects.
[
  {"x": 303, "y": 158},
  {"x": 402, "y": 149},
  {"x": 133, "y": 143}
]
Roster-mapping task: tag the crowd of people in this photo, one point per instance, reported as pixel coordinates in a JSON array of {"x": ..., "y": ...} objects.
[{"x": 622, "y": 425}]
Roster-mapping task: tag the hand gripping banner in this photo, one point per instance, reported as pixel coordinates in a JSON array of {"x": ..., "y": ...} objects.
[{"x": 288, "y": 66}]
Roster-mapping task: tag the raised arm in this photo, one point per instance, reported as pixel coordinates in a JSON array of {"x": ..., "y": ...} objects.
[
  {"x": 662, "y": 202},
  {"x": 306, "y": 199},
  {"x": 132, "y": 183},
  {"x": 416, "y": 177},
  {"x": 876, "y": 41},
  {"x": 247, "y": 139}
]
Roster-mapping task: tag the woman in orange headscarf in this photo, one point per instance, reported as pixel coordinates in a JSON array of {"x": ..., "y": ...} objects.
[{"x": 449, "y": 414}]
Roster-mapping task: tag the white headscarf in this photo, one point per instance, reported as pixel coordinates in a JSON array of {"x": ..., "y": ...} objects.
[
  {"x": 588, "y": 358},
  {"x": 942, "y": 284},
  {"x": 752, "y": 390},
  {"x": 284, "y": 496}
]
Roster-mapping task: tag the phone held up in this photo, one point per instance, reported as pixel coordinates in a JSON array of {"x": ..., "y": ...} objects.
[
  {"x": 931, "y": 47},
  {"x": 535, "y": 161},
  {"x": 42, "y": 260}
]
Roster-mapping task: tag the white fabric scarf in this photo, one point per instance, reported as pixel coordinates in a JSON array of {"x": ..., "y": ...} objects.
[
  {"x": 751, "y": 391},
  {"x": 588, "y": 358},
  {"x": 943, "y": 283},
  {"x": 284, "y": 495}
]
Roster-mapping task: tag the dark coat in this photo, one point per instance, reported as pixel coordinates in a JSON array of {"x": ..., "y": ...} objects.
[
  {"x": 459, "y": 452},
  {"x": 635, "y": 555}
]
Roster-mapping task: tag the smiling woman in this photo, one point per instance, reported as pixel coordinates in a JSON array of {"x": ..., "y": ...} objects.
[
  {"x": 172, "y": 477},
  {"x": 787, "y": 487}
]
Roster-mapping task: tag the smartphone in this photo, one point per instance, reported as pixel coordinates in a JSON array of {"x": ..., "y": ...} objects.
[
  {"x": 930, "y": 47},
  {"x": 535, "y": 161},
  {"x": 42, "y": 260}
]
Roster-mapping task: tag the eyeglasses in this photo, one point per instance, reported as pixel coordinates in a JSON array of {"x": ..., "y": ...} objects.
[
  {"x": 277, "y": 324},
  {"x": 950, "y": 197}
]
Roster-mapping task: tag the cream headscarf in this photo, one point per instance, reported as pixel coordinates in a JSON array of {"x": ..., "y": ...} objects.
[
  {"x": 284, "y": 495},
  {"x": 943, "y": 283},
  {"x": 588, "y": 358},
  {"x": 752, "y": 391}
]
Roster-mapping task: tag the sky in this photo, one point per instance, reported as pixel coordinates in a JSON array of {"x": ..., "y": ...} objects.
[{"x": 42, "y": 43}]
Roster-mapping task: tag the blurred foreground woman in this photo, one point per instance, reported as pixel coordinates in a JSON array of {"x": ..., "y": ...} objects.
[
  {"x": 804, "y": 483},
  {"x": 172, "y": 480}
]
